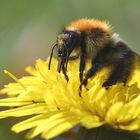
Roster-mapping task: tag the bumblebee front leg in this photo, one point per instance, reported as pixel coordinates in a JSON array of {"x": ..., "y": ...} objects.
[
  {"x": 64, "y": 72},
  {"x": 82, "y": 67},
  {"x": 81, "y": 70}
]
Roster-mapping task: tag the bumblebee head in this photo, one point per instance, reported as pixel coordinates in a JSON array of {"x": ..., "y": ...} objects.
[
  {"x": 67, "y": 41},
  {"x": 83, "y": 33}
]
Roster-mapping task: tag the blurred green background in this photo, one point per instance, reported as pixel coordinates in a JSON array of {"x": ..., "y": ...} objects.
[{"x": 28, "y": 30}]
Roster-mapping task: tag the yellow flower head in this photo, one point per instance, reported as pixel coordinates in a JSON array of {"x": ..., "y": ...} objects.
[{"x": 55, "y": 104}]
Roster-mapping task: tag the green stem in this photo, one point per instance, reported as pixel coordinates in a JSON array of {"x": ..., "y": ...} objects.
[{"x": 104, "y": 133}]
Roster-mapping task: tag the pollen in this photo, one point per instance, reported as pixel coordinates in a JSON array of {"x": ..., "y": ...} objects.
[{"x": 87, "y": 25}]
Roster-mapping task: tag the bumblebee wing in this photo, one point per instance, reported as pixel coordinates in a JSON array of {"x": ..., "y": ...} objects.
[
  {"x": 135, "y": 76},
  {"x": 137, "y": 61}
]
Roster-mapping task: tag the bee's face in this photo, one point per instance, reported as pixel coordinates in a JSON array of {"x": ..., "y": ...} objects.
[
  {"x": 66, "y": 42},
  {"x": 62, "y": 41}
]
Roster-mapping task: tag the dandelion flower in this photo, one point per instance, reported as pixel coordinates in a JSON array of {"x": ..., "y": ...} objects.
[{"x": 53, "y": 105}]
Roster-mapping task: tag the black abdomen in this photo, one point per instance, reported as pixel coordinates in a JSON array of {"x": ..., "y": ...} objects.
[{"x": 120, "y": 57}]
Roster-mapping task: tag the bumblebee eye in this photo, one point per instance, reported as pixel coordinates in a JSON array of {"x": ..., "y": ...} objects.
[{"x": 69, "y": 41}]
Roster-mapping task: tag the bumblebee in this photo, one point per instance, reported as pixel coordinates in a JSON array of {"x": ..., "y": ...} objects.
[{"x": 95, "y": 40}]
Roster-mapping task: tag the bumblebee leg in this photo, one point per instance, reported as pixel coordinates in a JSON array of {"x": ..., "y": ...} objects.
[
  {"x": 96, "y": 67},
  {"x": 120, "y": 73},
  {"x": 115, "y": 76},
  {"x": 82, "y": 61},
  {"x": 64, "y": 72},
  {"x": 82, "y": 67}
]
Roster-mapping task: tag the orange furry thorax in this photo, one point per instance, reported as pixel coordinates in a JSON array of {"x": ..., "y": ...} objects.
[{"x": 87, "y": 25}]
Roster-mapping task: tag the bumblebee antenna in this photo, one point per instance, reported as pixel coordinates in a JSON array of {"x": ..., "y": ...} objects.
[{"x": 49, "y": 65}]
